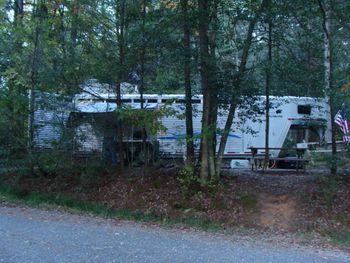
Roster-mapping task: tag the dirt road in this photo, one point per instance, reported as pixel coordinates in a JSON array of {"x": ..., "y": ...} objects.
[{"x": 34, "y": 235}]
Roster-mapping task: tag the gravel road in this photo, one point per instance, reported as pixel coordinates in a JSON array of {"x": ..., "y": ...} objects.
[{"x": 34, "y": 235}]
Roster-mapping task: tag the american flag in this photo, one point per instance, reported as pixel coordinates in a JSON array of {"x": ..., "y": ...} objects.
[{"x": 340, "y": 119}]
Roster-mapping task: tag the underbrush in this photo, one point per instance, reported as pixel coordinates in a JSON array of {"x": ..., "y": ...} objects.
[
  {"x": 341, "y": 238},
  {"x": 164, "y": 196},
  {"x": 39, "y": 199},
  {"x": 36, "y": 199}
]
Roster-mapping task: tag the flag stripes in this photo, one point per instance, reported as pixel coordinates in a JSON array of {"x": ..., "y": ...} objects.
[{"x": 340, "y": 119}]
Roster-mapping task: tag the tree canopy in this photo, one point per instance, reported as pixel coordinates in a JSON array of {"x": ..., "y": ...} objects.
[{"x": 219, "y": 48}]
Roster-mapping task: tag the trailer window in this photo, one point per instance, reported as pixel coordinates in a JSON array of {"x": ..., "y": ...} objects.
[
  {"x": 152, "y": 100},
  {"x": 193, "y": 101},
  {"x": 304, "y": 109},
  {"x": 196, "y": 101},
  {"x": 111, "y": 100},
  {"x": 126, "y": 100},
  {"x": 168, "y": 100}
]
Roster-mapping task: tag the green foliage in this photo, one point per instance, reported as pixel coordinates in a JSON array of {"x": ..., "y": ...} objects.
[
  {"x": 91, "y": 175},
  {"x": 55, "y": 201},
  {"x": 13, "y": 119},
  {"x": 341, "y": 238},
  {"x": 50, "y": 163},
  {"x": 39, "y": 199},
  {"x": 188, "y": 180},
  {"x": 148, "y": 119},
  {"x": 192, "y": 185},
  {"x": 329, "y": 160},
  {"x": 328, "y": 186},
  {"x": 54, "y": 48}
]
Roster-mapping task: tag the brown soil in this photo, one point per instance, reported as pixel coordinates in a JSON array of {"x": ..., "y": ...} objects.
[
  {"x": 277, "y": 212},
  {"x": 282, "y": 201}
]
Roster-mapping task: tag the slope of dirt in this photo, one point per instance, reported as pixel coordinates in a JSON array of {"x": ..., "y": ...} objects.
[
  {"x": 277, "y": 201},
  {"x": 278, "y": 212}
]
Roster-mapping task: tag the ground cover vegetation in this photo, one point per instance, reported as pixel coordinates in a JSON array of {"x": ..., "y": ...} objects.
[
  {"x": 229, "y": 51},
  {"x": 301, "y": 204}
]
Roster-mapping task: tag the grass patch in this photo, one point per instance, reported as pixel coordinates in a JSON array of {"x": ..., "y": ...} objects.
[
  {"x": 36, "y": 199},
  {"x": 39, "y": 199},
  {"x": 341, "y": 238}
]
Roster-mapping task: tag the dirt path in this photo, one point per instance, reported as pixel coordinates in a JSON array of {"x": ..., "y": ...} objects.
[{"x": 277, "y": 212}]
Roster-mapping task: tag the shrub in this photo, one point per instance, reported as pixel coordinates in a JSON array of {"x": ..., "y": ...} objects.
[
  {"x": 188, "y": 180},
  {"x": 91, "y": 175},
  {"x": 340, "y": 237}
]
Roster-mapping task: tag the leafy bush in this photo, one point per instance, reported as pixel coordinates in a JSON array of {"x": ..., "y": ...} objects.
[
  {"x": 188, "y": 180},
  {"x": 91, "y": 175},
  {"x": 340, "y": 237},
  {"x": 50, "y": 162}
]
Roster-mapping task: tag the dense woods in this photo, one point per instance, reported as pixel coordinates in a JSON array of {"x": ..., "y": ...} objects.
[
  {"x": 226, "y": 50},
  {"x": 214, "y": 114}
]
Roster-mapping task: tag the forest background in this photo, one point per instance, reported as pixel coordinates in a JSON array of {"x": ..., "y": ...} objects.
[
  {"x": 231, "y": 51},
  {"x": 225, "y": 50}
]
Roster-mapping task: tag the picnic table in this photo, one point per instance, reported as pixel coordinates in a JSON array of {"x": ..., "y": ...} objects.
[{"x": 257, "y": 160}]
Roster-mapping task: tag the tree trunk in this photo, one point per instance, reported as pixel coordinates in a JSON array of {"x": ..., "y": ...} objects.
[
  {"x": 205, "y": 72},
  {"x": 121, "y": 75},
  {"x": 75, "y": 6},
  {"x": 224, "y": 137},
  {"x": 18, "y": 12},
  {"x": 214, "y": 90},
  {"x": 325, "y": 7},
  {"x": 142, "y": 83},
  {"x": 37, "y": 12},
  {"x": 267, "y": 95},
  {"x": 187, "y": 78},
  {"x": 237, "y": 84}
]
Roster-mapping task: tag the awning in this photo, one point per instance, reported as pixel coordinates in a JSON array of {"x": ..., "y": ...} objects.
[{"x": 309, "y": 122}]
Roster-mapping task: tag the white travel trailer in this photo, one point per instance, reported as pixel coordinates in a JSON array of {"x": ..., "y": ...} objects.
[
  {"x": 292, "y": 120},
  {"x": 50, "y": 119}
]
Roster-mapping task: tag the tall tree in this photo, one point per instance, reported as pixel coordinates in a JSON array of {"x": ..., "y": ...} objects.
[
  {"x": 238, "y": 78},
  {"x": 39, "y": 14},
  {"x": 268, "y": 86},
  {"x": 121, "y": 12},
  {"x": 325, "y": 7},
  {"x": 187, "y": 78},
  {"x": 206, "y": 71}
]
